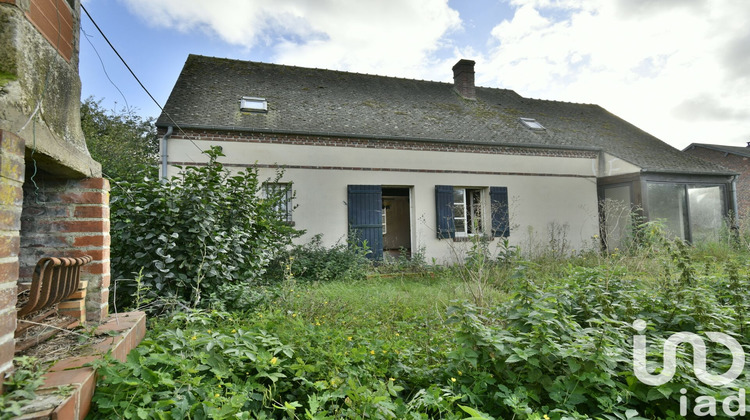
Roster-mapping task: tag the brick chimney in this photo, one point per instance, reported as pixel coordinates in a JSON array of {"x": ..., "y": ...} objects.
[{"x": 463, "y": 79}]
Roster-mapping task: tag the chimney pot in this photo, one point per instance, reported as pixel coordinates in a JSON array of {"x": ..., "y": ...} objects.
[{"x": 463, "y": 79}]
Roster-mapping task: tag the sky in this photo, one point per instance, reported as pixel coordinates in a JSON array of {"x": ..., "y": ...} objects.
[{"x": 678, "y": 69}]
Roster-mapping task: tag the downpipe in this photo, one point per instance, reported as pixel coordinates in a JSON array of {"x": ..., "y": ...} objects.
[{"x": 164, "y": 153}]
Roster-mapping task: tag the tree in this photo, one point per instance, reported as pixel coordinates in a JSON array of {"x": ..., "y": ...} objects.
[{"x": 124, "y": 143}]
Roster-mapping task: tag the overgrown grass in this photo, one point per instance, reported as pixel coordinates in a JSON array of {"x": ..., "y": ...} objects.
[{"x": 552, "y": 338}]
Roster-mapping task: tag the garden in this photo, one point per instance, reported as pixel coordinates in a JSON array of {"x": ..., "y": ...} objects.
[{"x": 243, "y": 325}]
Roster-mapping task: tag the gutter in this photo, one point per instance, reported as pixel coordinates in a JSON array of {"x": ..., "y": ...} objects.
[
  {"x": 377, "y": 137},
  {"x": 164, "y": 153}
]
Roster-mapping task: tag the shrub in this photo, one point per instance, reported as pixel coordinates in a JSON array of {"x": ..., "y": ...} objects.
[
  {"x": 192, "y": 236},
  {"x": 314, "y": 262}
]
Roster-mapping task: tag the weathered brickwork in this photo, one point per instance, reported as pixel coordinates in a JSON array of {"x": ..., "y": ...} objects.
[
  {"x": 737, "y": 163},
  {"x": 69, "y": 218},
  {"x": 55, "y": 20},
  {"x": 11, "y": 199},
  {"x": 246, "y": 137}
]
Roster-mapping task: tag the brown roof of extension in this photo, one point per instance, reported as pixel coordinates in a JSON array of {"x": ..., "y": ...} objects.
[
  {"x": 326, "y": 102},
  {"x": 734, "y": 150}
]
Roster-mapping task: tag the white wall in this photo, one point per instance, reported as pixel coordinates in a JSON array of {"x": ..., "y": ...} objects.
[
  {"x": 616, "y": 166},
  {"x": 543, "y": 191}
]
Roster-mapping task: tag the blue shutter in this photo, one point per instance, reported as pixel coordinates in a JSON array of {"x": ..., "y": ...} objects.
[
  {"x": 444, "y": 210},
  {"x": 499, "y": 209},
  {"x": 365, "y": 206}
]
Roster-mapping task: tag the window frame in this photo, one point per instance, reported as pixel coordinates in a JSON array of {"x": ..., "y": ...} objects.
[
  {"x": 494, "y": 213},
  {"x": 473, "y": 214},
  {"x": 284, "y": 208},
  {"x": 687, "y": 223}
]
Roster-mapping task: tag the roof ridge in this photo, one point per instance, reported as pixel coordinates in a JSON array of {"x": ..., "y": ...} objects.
[{"x": 323, "y": 69}]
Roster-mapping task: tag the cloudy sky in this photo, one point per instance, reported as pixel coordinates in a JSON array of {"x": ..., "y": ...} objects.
[{"x": 679, "y": 69}]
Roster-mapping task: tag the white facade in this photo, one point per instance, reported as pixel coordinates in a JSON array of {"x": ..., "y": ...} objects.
[{"x": 550, "y": 198}]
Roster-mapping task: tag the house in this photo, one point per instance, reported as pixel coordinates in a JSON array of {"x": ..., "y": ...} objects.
[
  {"x": 736, "y": 159},
  {"x": 53, "y": 200},
  {"x": 423, "y": 166}
]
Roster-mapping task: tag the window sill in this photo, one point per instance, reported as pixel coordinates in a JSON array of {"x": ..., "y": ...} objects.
[{"x": 471, "y": 238}]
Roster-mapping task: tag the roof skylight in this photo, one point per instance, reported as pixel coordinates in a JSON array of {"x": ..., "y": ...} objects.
[
  {"x": 253, "y": 104},
  {"x": 532, "y": 123}
]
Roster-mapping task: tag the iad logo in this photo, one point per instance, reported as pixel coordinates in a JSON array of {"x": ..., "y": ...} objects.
[
  {"x": 705, "y": 405},
  {"x": 699, "y": 357}
]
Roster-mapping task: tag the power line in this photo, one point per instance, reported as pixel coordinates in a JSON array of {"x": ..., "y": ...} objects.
[
  {"x": 136, "y": 77},
  {"x": 104, "y": 68},
  {"x": 121, "y": 59}
]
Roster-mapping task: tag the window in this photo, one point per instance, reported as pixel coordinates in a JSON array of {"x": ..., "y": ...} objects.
[
  {"x": 532, "y": 124},
  {"x": 467, "y": 211},
  {"x": 691, "y": 212},
  {"x": 383, "y": 221},
  {"x": 282, "y": 192},
  {"x": 462, "y": 212},
  {"x": 253, "y": 104}
]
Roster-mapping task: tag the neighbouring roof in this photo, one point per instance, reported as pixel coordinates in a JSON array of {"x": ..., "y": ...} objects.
[
  {"x": 326, "y": 102},
  {"x": 734, "y": 150}
]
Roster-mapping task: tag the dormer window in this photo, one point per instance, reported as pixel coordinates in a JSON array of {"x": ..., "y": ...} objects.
[
  {"x": 253, "y": 104},
  {"x": 532, "y": 124}
]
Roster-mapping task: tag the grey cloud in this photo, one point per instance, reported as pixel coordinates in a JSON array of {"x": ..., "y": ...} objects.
[
  {"x": 634, "y": 8},
  {"x": 736, "y": 56},
  {"x": 705, "y": 107}
]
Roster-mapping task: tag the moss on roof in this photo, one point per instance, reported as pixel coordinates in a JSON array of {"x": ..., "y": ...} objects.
[{"x": 305, "y": 100}]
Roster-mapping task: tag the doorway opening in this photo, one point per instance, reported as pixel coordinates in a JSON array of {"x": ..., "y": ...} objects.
[{"x": 396, "y": 222}]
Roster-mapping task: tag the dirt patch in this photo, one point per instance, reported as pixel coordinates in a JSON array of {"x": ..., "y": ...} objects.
[{"x": 65, "y": 342}]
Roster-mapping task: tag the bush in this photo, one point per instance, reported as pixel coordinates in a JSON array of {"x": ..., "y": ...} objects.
[
  {"x": 189, "y": 238},
  {"x": 314, "y": 262}
]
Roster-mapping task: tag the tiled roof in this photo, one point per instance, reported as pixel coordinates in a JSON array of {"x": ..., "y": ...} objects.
[
  {"x": 314, "y": 101},
  {"x": 735, "y": 150}
]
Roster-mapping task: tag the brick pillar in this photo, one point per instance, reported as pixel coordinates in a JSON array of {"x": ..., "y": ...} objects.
[
  {"x": 463, "y": 79},
  {"x": 69, "y": 218},
  {"x": 91, "y": 230},
  {"x": 11, "y": 200}
]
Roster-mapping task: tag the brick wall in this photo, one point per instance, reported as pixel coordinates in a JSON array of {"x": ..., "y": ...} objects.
[
  {"x": 68, "y": 218},
  {"x": 331, "y": 141},
  {"x": 739, "y": 164},
  {"x": 11, "y": 195},
  {"x": 54, "y": 19}
]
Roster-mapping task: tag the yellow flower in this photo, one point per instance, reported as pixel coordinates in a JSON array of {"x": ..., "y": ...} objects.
[
  {"x": 274, "y": 360},
  {"x": 546, "y": 417},
  {"x": 216, "y": 395},
  {"x": 459, "y": 373},
  {"x": 233, "y": 330},
  {"x": 294, "y": 315},
  {"x": 193, "y": 337},
  {"x": 349, "y": 338},
  {"x": 208, "y": 331},
  {"x": 398, "y": 335},
  {"x": 453, "y": 379},
  {"x": 391, "y": 379},
  {"x": 372, "y": 351},
  {"x": 317, "y": 323}
]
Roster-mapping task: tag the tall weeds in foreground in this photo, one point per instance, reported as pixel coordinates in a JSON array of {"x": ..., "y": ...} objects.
[{"x": 483, "y": 267}]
